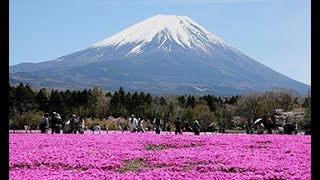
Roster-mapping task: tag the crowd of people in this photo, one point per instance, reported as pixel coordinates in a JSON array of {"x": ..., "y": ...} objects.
[
  {"x": 136, "y": 125},
  {"x": 77, "y": 125},
  {"x": 73, "y": 125}
]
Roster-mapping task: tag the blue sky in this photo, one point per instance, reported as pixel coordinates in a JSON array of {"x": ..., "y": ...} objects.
[{"x": 277, "y": 33}]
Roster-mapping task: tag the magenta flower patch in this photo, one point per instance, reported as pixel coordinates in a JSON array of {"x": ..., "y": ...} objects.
[{"x": 151, "y": 156}]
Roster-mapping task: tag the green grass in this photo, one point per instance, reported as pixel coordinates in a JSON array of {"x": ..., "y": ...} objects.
[
  {"x": 156, "y": 147},
  {"x": 235, "y": 131},
  {"x": 132, "y": 165}
]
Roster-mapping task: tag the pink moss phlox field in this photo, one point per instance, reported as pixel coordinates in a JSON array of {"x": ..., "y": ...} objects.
[{"x": 165, "y": 156}]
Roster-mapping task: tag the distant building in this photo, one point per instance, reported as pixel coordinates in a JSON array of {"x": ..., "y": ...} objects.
[{"x": 289, "y": 117}]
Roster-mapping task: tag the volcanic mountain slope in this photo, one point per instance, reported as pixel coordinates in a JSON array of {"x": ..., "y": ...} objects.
[{"x": 165, "y": 54}]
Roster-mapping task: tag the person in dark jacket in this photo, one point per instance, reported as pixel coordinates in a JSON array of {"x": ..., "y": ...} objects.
[
  {"x": 178, "y": 126},
  {"x": 56, "y": 123},
  {"x": 73, "y": 124},
  {"x": 53, "y": 122},
  {"x": 44, "y": 124},
  {"x": 196, "y": 127},
  {"x": 157, "y": 123}
]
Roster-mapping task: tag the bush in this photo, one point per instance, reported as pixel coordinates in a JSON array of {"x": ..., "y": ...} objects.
[
  {"x": 31, "y": 119},
  {"x": 113, "y": 127}
]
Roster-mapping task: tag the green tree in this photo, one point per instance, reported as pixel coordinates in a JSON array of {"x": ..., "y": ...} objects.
[
  {"x": 188, "y": 117},
  {"x": 224, "y": 117},
  {"x": 98, "y": 102},
  {"x": 42, "y": 100},
  {"x": 148, "y": 99},
  {"x": 31, "y": 119},
  {"x": 307, "y": 115},
  {"x": 181, "y": 100},
  {"x": 56, "y": 102},
  {"x": 24, "y": 98},
  {"x": 12, "y": 101},
  {"x": 163, "y": 102},
  {"x": 191, "y": 101}
]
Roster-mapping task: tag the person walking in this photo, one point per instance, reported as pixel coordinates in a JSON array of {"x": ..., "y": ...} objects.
[
  {"x": 260, "y": 128},
  {"x": 133, "y": 123},
  {"x": 53, "y": 122},
  {"x": 81, "y": 125},
  {"x": 56, "y": 123},
  {"x": 140, "y": 127},
  {"x": 196, "y": 127},
  {"x": 157, "y": 123},
  {"x": 66, "y": 126},
  {"x": 97, "y": 128},
  {"x": 178, "y": 126},
  {"x": 106, "y": 128},
  {"x": 44, "y": 124},
  {"x": 74, "y": 124}
]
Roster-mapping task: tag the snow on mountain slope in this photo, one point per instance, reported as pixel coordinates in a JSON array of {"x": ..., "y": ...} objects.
[{"x": 162, "y": 28}]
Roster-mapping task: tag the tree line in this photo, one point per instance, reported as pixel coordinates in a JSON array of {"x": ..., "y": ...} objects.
[{"x": 27, "y": 105}]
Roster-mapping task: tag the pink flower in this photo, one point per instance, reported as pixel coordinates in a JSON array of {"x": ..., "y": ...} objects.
[{"x": 150, "y": 156}]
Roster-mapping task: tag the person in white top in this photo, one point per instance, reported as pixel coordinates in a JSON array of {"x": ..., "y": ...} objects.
[
  {"x": 97, "y": 128},
  {"x": 260, "y": 128},
  {"x": 133, "y": 123}
]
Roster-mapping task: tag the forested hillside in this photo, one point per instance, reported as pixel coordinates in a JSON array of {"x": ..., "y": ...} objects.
[{"x": 27, "y": 105}]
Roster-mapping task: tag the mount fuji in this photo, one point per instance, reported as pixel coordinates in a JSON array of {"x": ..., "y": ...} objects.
[{"x": 162, "y": 55}]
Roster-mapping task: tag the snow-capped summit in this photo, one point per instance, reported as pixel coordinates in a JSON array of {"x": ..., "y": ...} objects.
[{"x": 164, "y": 32}]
